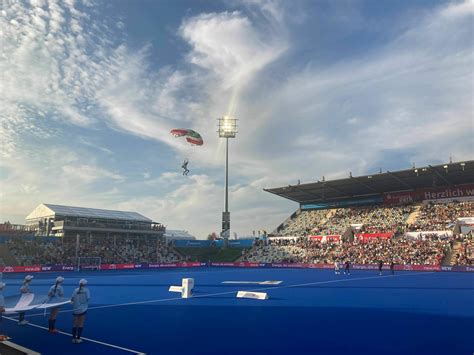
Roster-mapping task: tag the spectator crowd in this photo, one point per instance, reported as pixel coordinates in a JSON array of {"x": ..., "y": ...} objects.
[
  {"x": 110, "y": 250},
  {"x": 429, "y": 251}
]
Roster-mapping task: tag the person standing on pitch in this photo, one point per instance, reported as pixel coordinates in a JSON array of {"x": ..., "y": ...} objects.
[
  {"x": 380, "y": 267},
  {"x": 336, "y": 268},
  {"x": 392, "y": 267},
  {"x": 80, "y": 302},
  {"x": 347, "y": 268},
  {"x": 55, "y": 291},
  {"x": 25, "y": 288}
]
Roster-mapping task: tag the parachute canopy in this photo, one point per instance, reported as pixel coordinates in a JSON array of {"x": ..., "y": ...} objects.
[{"x": 191, "y": 136}]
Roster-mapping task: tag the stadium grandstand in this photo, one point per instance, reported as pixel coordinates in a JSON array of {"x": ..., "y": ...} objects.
[
  {"x": 59, "y": 221},
  {"x": 420, "y": 216},
  {"x": 57, "y": 234}
]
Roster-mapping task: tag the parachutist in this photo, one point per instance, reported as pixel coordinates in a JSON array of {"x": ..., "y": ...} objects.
[{"x": 185, "y": 167}]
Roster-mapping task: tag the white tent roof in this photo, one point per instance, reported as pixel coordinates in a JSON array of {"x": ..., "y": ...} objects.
[{"x": 49, "y": 210}]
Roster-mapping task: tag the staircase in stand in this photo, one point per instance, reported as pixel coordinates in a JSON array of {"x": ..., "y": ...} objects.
[
  {"x": 450, "y": 257},
  {"x": 413, "y": 216}
]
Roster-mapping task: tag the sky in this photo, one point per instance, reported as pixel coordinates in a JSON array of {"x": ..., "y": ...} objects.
[{"x": 89, "y": 91}]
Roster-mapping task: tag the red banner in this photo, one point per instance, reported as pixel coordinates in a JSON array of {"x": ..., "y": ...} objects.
[
  {"x": 38, "y": 268},
  {"x": 451, "y": 193},
  {"x": 33, "y": 268},
  {"x": 367, "y": 236},
  {"x": 325, "y": 238}
]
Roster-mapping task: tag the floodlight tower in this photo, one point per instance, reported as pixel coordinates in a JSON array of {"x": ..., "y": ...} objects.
[{"x": 227, "y": 129}]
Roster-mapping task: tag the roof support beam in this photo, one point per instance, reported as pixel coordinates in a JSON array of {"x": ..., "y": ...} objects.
[
  {"x": 309, "y": 193},
  {"x": 335, "y": 189},
  {"x": 440, "y": 176},
  {"x": 400, "y": 180},
  {"x": 364, "y": 184}
]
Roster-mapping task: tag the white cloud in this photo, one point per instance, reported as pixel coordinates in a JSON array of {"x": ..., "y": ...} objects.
[
  {"x": 413, "y": 95},
  {"x": 230, "y": 46},
  {"x": 50, "y": 66},
  {"x": 88, "y": 173},
  {"x": 197, "y": 204}
]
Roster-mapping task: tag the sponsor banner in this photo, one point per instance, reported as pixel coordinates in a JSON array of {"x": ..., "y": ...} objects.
[
  {"x": 241, "y": 243},
  {"x": 197, "y": 243},
  {"x": 447, "y": 194},
  {"x": 466, "y": 221},
  {"x": 39, "y": 268},
  {"x": 112, "y": 266},
  {"x": 33, "y": 268},
  {"x": 57, "y": 268},
  {"x": 175, "y": 265},
  {"x": 368, "y": 236},
  {"x": 353, "y": 266},
  {"x": 344, "y": 203},
  {"x": 239, "y": 264},
  {"x": 418, "y": 267},
  {"x": 325, "y": 238},
  {"x": 458, "y": 268},
  {"x": 422, "y": 235}
]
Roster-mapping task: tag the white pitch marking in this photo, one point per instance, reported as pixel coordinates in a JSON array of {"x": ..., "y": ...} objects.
[
  {"x": 253, "y": 282},
  {"x": 88, "y": 339},
  {"x": 230, "y": 292}
]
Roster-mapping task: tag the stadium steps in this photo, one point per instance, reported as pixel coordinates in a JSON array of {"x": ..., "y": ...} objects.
[
  {"x": 6, "y": 256},
  {"x": 450, "y": 258},
  {"x": 177, "y": 252},
  {"x": 413, "y": 216}
]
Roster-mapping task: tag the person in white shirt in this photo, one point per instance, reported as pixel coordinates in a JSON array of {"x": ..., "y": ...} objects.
[
  {"x": 55, "y": 291},
  {"x": 336, "y": 268},
  {"x": 80, "y": 302},
  {"x": 25, "y": 288}
]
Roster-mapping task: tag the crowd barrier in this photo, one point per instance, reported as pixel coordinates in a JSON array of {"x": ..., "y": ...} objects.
[
  {"x": 45, "y": 268},
  {"x": 353, "y": 266}
]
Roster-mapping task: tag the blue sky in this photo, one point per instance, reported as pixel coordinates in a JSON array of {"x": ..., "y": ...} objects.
[{"x": 89, "y": 91}]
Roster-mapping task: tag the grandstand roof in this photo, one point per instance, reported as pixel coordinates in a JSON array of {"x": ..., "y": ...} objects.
[
  {"x": 47, "y": 210},
  {"x": 451, "y": 174}
]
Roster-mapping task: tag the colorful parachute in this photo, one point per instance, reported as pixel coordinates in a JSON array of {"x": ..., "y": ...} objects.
[{"x": 191, "y": 136}]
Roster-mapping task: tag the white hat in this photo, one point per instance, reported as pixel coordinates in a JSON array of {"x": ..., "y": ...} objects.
[
  {"x": 59, "y": 279},
  {"x": 83, "y": 282},
  {"x": 29, "y": 277},
  {"x": 2, "y": 285}
]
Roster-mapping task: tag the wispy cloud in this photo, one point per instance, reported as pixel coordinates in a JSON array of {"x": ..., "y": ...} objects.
[{"x": 65, "y": 69}]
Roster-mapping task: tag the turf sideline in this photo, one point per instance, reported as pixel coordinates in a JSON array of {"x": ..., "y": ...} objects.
[
  {"x": 88, "y": 339},
  {"x": 230, "y": 292}
]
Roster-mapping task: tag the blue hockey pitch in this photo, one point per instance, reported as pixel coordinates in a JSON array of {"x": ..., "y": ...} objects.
[{"x": 310, "y": 312}]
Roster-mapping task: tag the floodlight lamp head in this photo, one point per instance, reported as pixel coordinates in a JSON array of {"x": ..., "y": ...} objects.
[{"x": 227, "y": 127}]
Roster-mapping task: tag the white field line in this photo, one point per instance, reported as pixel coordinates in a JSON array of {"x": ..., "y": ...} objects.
[
  {"x": 230, "y": 292},
  {"x": 74, "y": 275},
  {"x": 88, "y": 339},
  {"x": 252, "y": 282}
]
